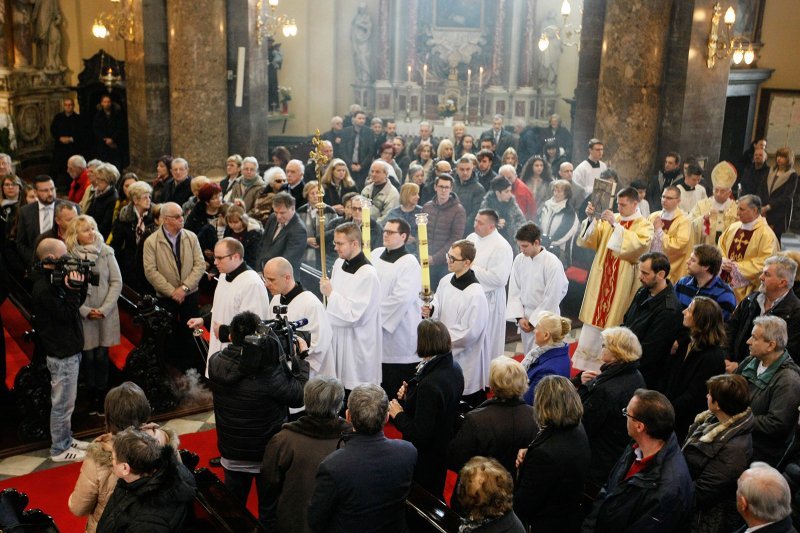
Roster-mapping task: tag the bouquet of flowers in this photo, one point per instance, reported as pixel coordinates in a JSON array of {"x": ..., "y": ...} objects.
[
  {"x": 447, "y": 109},
  {"x": 285, "y": 94}
]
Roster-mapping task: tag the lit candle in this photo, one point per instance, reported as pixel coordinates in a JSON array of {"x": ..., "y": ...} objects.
[
  {"x": 424, "y": 261},
  {"x": 424, "y": 74},
  {"x": 480, "y": 77},
  {"x": 409, "y": 73},
  {"x": 366, "y": 244},
  {"x": 469, "y": 76}
]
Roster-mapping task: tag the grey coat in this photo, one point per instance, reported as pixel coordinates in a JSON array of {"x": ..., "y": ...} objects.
[{"x": 105, "y": 331}]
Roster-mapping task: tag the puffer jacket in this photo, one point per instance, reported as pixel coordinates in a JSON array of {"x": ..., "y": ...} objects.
[{"x": 446, "y": 225}]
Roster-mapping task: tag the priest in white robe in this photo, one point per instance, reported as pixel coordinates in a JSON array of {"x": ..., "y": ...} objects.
[
  {"x": 538, "y": 283},
  {"x": 354, "y": 298},
  {"x": 492, "y": 267},
  {"x": 460, "y": 304},
  {"x": 400, "y": 275},
  {"x": 239, "y": 289},
  {"x": 300, "y": 303}
]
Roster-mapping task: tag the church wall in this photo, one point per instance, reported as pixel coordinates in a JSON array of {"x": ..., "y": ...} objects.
[{"x": 779, "y": 33}]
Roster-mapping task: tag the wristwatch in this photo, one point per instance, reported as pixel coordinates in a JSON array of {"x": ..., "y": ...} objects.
[{"x": 185, "y": 289}]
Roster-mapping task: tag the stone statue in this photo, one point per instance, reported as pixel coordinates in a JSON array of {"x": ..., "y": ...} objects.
[
  {"x": 46, "y": 21},
  {"x": 360, "y": 33},
  {"x": 547, "y": 74}
]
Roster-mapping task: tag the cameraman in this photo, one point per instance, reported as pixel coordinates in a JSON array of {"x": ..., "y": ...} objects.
[
  {"x": 57, "y": 319},
  {"x": 251, "y": 405}
]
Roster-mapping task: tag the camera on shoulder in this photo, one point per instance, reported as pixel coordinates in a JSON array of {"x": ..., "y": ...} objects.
[
  {"x": 58, "y": 269},
  {"x": 273, "y": 343}
]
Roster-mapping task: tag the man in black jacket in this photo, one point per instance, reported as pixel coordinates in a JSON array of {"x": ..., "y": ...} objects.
[
  {"x": 773, "y": 297},
  {"x": 57, "y": 319},
  {"x": 654, "y": 316},
  {"x": 252, "y": 391}
]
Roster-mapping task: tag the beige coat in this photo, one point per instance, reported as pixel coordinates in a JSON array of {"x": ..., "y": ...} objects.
[{"x": 160, "y": 267}]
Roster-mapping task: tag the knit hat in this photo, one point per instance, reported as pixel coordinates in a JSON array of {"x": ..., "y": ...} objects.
[
  {"x": 208, "y": 191},
  {"x": 723, "y": 175}
]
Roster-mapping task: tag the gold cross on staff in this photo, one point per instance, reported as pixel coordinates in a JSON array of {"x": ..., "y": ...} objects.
[{"x": 320, "y": 159}]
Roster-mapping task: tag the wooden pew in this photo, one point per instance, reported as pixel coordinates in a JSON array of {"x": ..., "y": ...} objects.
[{"x": 32, "y": 520}]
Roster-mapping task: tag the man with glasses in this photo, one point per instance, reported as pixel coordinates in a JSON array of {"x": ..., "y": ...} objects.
[
  {"x": 446, "y": 222},
  {"x": 354, "y": 298},
  {"x": 650, "y": 488},
  {"x": 173, "y": 265},
  {"x": 239, "y": 289},
  {"x": 673, "y": 236},
  {"x": 400, "y": 276},
  {"x": 36, "y": 218},
  {"x": 460, "y": 304}
]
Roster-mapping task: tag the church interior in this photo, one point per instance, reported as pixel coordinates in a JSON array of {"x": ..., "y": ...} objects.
[{"x": 204, "y": 79}]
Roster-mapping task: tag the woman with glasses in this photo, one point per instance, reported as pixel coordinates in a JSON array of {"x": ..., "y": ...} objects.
[
  {"x": 275, "y": 180},
  {"x": 604, "y": 394}
]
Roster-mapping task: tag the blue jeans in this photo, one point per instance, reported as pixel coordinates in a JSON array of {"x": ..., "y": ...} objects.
[{"x": 63, "y": 390}]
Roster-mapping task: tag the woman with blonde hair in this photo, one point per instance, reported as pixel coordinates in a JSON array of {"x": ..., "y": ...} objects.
[
  {"x": 336, "y": 182},
  {"x": 445, "y": 152},
  {"x": 309, "y": 214},
  {"x": 99, "y": 310},
  {"x": 407, "y": 210},
  {"x": 604, "y": 394},
  {"x": 101, "y": 206},
  {"x": 510, "y": 157},
  {"x": 136, "y": 221},
  {"x": 553, "y": 468},
  {"x": 550, "y": 355},
  {"x": 246, "y": 230}
]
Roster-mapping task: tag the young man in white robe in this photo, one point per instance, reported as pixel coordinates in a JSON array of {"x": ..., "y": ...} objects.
[
  {"x": 400, "y": 275},
  {"x": 492, "y": 267},
  {"x": 460, "y": 304},
  {"x": 537, "y": 284},
  {"x": 354, "y": 299},
  {"x": 300, "y": 303},
  {"x": 239, "y": 289}
]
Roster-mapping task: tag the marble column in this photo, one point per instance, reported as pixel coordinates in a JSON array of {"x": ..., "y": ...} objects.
[
  {"x": 515, "y": 45},
  {"x": 384, "y": 15},
  {"x": 529, "y": 44},
  {"x": 499, "y": 50},
  {"x": 694, "y": 95},
  {"x": 198, "y": 84},
  {"x": 583, "y": 126},
  {"x": 147, "y": 84},
  {"x": 630, "y": 84},
  {"x": 247, "y": 127}
]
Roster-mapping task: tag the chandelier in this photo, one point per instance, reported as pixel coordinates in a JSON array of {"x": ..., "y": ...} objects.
[
  {"x": 568, "y": 34},
  {"x": 268, "y": 24},
  {"x": 117, "y": 24},
  {"x": 722, "y": 44}
]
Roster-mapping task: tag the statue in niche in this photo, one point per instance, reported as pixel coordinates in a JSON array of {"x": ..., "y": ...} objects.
[
  {"x": 547, "y": 73},
  {"x": 21, "y": 28},
  {"x": 275, "y": 63},
  {"x": 360, "y": 33},
  {"x": 46, "y": 21}
]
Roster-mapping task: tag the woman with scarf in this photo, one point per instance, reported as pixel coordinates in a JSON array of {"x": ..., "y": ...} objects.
[
  {"x": 718, "y": 449},
  {"x": 777, "y": 192},
  {"x": 550, "y": 355},
  {"x": 134, "y": 224},
  {"x": 558, "y": 220},
  {"x": 426, "y": 408},
  {"x": 99, "y": 311}
]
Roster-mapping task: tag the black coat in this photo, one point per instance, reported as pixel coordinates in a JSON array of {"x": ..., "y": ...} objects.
[
  {"x": 686, "y": 383},
  {"x": 56, "y": 317},
  {"x": 508, "y": 523},
  {"x": 780, "y": 201},
  {"x": 250, "y": 408},
  {"x": 28, "y": 228},
  {"x": 656, "y": 322},
  {"x": 782, "y": 526},
  {"x": 550, "y": 481},
  {"x": 175, "y": 192},
  {"x": 127, "y": 251},
  {"x": 497, "y": 428},
  {"x": 657, "y": 499},
  {"x": 289, "y": 244},
  {"x": 429, "y": 416},
  {"x": 101, "y": 209},
  {"x": 363, "y": 486},
  {"x": 603, "y": 400},
  {"x": 250, "y": 240},
  {"x": 740, "y": 325}
]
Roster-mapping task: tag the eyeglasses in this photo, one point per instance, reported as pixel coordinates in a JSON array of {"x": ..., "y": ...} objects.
[
  {"x": 390, "y": 232},
  {"x": 444, "y": 187},
  {"x": 663, "y": 197},
  {"x": 280, "y": 181},
  {"x": 452, "y": 259},
  {"x": 173, "y": 216},
  {"x": 625, "y": 413},
  {"x": 220, "y": 258}
]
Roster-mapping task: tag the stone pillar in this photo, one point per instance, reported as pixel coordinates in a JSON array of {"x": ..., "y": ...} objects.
[
  {"x": 630, "y": 85},
  {"x": 515, "y": 45},
  {"x": 499, "y": 50},
  {"x": 247, "y": 128},
  {"x": 694, "y": 95},
  {"x": 198, "y": 84},
  {"x": 147, "y": 84},
  {"x": 583, "y": 126}
]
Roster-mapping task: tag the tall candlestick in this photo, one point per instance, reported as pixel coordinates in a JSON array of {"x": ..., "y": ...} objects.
[
  {"x": 320, "y": 161},
  {"x": 424, "y": 260},
  {"x": 466, "y": 109},
  {"x": 480, "y": 77},
  {"x": 366, "y": 213},
  {"x": 469, "y": 76},
  {"x": 424, "y": 74},
  {"x": 409, "y": 73}
]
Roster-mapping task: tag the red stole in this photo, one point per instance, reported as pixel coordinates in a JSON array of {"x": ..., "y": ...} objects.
[
  {"x": 608, "y": 285},
  {"x": 738, "y": 249},
  {"x": 667, "y": 223}
]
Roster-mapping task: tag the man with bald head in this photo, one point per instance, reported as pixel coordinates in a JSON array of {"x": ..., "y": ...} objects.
[
  {"x": 280, "y": 282},
  {"x": 173, "y": 265},
  {"x": 764, "y": 499},
  {"x": 57, "y": 319}
]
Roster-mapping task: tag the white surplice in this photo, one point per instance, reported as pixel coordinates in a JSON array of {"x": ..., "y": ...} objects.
[
  {"x": 401, "y": 283},
  {"x": 492, "y": 267},
  {"x": 537, "y": 284}
]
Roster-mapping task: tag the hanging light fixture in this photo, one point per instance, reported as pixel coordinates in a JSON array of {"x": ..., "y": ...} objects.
[
  {"x": 567, "y": 33},
  {"x": 268, "y": 24},
  {"x": 722, "y": 43},
  {"x": 116, "y": 24}
]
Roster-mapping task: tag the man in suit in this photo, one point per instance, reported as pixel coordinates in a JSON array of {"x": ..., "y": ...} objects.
[
  {"x": 358, "y": 148},
  {"x": 294, "y": 180},
  {"x": 502, "y": 139},
  {"x": 363, "y": 485},
  {"x": 284, "y": 233},
  {"x": 764, "y": 500},
  {"x": 38, "y": 217},
  {"x": 178, "y": 188}
]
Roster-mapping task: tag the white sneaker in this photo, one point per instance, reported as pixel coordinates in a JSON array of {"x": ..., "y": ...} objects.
[
  {"x": 68, "y": 455},
  {"x": 79, "y": 445}
]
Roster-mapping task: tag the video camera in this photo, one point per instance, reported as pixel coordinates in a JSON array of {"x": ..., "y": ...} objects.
[
  {"x": 63, "y": 266},
  {"x": 274, "y": 343}
]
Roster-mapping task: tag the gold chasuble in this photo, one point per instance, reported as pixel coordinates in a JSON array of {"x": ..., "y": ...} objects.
[
  {"x": 749, "y": 249},
  {"x": 614, "y": 277},
  {"x": 708, "y": 231},
  {"x": 675, "y": 243}
]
